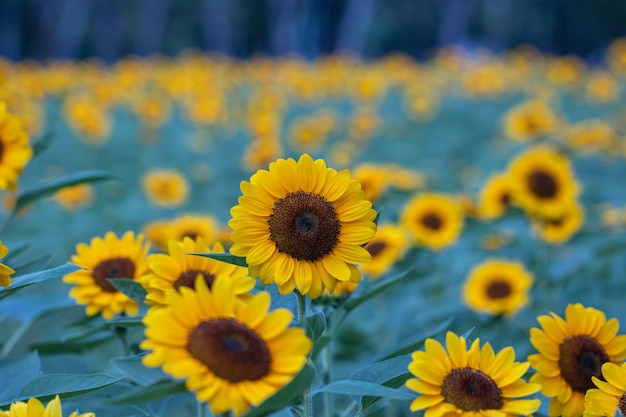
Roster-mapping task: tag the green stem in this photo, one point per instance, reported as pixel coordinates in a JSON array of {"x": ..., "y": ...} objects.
[
  {"x": 349, "y": 409},
  {"x": 307, "y": 403},
  {"x": 328, "y": 365},
  {"x": 121, "y": 333},
  {"x": 15, "y": 337}
]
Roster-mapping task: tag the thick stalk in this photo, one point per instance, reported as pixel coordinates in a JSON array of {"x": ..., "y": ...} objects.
[{"x": 307, "y": 403}]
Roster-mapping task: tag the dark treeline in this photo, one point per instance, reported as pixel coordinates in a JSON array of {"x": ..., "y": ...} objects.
[{"x": 110, "y": 29}]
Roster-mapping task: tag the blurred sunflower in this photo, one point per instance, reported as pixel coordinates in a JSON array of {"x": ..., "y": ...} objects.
[
  {"x": 34, "y": 408},
  {"x": 559, "y": 229},
  {"x": 160, "y": 232},
  {"x": 530, "y": 120},
  {"x": 571, "y": 352},
  {"x": 434, "y": 220},
  {"x": 495, "y": 197},
  {"x": 592, "y": 135},
  {"x": 233, "y": 355},
  {"x": 15, "y": 151},
  {"x": 165, "y": 188},
  {"x": 610, "y": 395},
  {"x": 469, "y": 383},
  {"x": 387, "y": 247},
  {"x": 542, "y": 182},
  {"x": 602, "y": 87},
  {"x": 74, "y": 197},
  {"x": 5, "y": 271},
  {"x": 106, "y": 259},
  {"x": 169, "y": 272},
  {"x": 497, "y": 286},
  {"x": 372, "y": 179},
  {"x": 302, "y": 224}
]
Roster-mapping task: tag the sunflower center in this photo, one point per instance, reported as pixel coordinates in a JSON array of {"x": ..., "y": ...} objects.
[
  {"x": 505, "y": 199},
  {"x": 542, "y": 184},
  {"x": 188, "y": 279},
  {"x": 376, "y": 248},
  {"x": 190, "y": 234},
  {"x": 498, "y": 288},
  {"x": 304, "y": 226},
  {"x": 622, "y": 404},
  {"x": 580, "y": 358},
  {"x": 111, "y": 269},
  {"x": 1, "y": 150},
  {"x": 432, "y": 221},
  {"x": 471, "y": 390},
  {"x": 230, "y": 350}
]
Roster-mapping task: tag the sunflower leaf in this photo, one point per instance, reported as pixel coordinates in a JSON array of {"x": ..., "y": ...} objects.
[
  {"x": 315, "y": 326},
  {"x": 44, "y": 190},
  {"x": 136, "y": 321},
  {"x": 224, "y": 257},
  {"x": 286, "y": 395},
  {"x": 133, "y": 368},
  {"x": 131, "y": 288},
  {"x": 353, "y": 387},
  {"x": 155, "y": 391},
  {"x": 19, "y": 371},
  {"x": 376, "y": 289},
  {"x": 22, "y": 281}
]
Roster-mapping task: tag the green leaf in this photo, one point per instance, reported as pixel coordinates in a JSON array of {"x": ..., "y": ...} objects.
[
  {"x": 383, "y": 371},
  {"x": 125, "y": 321},
  {"x": 45, "y": 190},
  {"x": 74, "y": 346},
  {"x": 131, "y": 288},
  {"x": 134, "y": 369},
  {"x": 46, "y": 387},
  {"x": 363, "y": 388},
  {"x": 375, "y": 290},
  {"x": 224, "y": 257},
  {"x": 19, "y": 371},
  {"x": 33, "y": 266},
  {"x": 156, "y": 391},
  {"x": 315, "y": 326},
  {"x": 285, "y": 396},
  {"x": 23, "y": 281}
]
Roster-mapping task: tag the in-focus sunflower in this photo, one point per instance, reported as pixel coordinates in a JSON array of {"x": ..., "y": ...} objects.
[
  {"x": 160, "y": 232},
  {"x": 104, "y": 259},
  {"x": 387, "y": 247},
  {"x": 571, "y": 352},
  {"x": 5, "y": 271},
  {"x": 469, "y": 383},
  {"x": 434, "y": 220},
  {"x": 165, "y": 188},
  {"x": 610, "y": 396},
  {"x": 15, "y": 151},
  {"x": 169, "y": 272},
  {"x": 497, "y": 286},
  {"x": 560, "y": 229},
  {"x": 302, "y": 224},
  {"x": 233, "y": 355},
  {"x": 542, "y": 182},
  {"x": 495, "y": 197},
  {"x": 34, "y": 408}
]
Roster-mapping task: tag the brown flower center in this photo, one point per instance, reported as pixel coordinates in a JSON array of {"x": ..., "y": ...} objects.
[
  {"x": 505, "y": 199},
  {"x": 188, "y": 279},
  {"x": 542, "y": 184},
  {"x": 471, "y": 390},
  {"x": 1, "y": 150},
  {"x": 375, "y": 248},
  {"x": 304, "y": 226},
  {"x": 622, "y": 404},
  {"x": 580, "y": 358},
  {"x": 498, "y": 288},
  {"x": 230, "y": 350},
  {"x": 190, "y": 234},
  {"x": 432, "y": 221},
  {"x": 111, "y": 269}
]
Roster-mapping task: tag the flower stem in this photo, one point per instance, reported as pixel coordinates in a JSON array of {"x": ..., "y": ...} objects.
[{"x": 307, "y": 403}]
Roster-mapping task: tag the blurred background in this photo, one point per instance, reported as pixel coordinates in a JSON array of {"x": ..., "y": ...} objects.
[{"x": 111, "y": 29}]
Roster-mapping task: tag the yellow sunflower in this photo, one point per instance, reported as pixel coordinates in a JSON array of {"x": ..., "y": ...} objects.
[
  {"x": 469, "y": 383},
  {"x": 530, "y": 120},
  {"x": 233, "y": 355},
  {"x": 559, "y": 229},
  {"x": 610, "y": 394},
  {"x": 5, "y": 271},
  {"x": 169, "y": 272},
  {"x": 542, "y": 182},
  {"x": 497, "y": 286},
  {"x": 434, "y": 220},
  {"x": 34, "y": 408},
  {"x": 387, "y": 247},
  {"x": 302, "y": 224},
  {"x": 160, "y": 232},
  {"x": 495, "y": 197},
  {"x": 104, "y": 259},
  {"x": 571, "y": 352},
  {"x": 165, "y": 188},
  {"x": 74, "y": 197},
  {"x": 15, "y": 151}
]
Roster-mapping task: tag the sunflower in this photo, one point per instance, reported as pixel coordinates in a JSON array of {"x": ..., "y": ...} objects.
[
  {"x": 233, "y": 355},
  {"x": 185, "y": 225},
  {"x": 434, "y": 220},
  {"x": 165, "y": 188},
  {"x": 15, "y": 151},
  {"x": 571, "y": 352},
  {"x": 542, "y": 182},
  {"x": 495, "y": 197},
  {"x": 497, "y": 286},
  {"x": 302, "y": 224},
  {"x": 472, "y": 383},
  {"x": 387, "y": 247},
  {"x": 74, "y": 197},
  {"x": 177, "y": 269},
  {"x": 5, "y": 271},
  {"x": 560, "y": 229},
  {"x": 530, "y": 120},
  {"x": 34, "y": 408},
  {"x": 610, "y": 394},
  {"x": 105, "y": 259}
]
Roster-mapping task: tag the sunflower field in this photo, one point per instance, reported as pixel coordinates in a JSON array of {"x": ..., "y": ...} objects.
[{"x": 207, "y": 236}]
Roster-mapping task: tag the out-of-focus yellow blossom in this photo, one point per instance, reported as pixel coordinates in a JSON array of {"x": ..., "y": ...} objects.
[
  {"x": 616, "y": 56},
  {"x": 89, "y": 119},
  {"x": 165, "y": 188},
  {"x": 565, "y": 71},
  {"x": 602, "y": 87},
  {"x": 364, "y": 123},
  {"x": 530, "y": 120},
  {"x": 590, "y": 136},
  {"x": 153, "y": 109},
  {"x": 74, "y": 197}
]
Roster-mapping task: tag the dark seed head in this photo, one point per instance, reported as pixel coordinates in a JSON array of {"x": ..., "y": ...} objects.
[
  {"x": 580, "y": 358},
  {"x": 188, "y": 279},
  {"x": 376, "y": 248},
  {"x": 471, "y": 390},
  {"x": 113, "y": 268},
  {"x": 542, "y": 184},
  {"x": 498, "y": 288},
  {"x": 432, "y": 221},
  {"x": 622, "y": 404}
]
